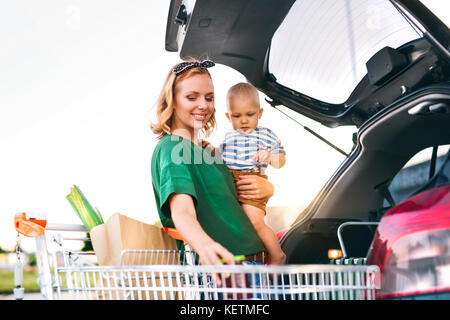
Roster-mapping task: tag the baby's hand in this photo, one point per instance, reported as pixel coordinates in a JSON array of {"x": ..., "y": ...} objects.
[
  {"x": 262, "y": 156},
  {"x": 206, "y": 144}
]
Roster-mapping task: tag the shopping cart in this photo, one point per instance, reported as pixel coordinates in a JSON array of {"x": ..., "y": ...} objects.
[{"x": 173, "y": 274}]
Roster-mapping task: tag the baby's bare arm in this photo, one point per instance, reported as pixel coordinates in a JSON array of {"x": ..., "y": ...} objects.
[{"x": 277, "y": 160}]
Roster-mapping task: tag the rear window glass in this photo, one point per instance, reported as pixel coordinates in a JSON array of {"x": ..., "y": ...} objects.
[
  {"x": 322, "y": 46},
  {"x": 415, "y": 173}
]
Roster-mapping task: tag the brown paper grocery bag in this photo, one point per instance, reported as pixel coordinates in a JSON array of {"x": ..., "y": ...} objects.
[{"x": 121, "y": 232}]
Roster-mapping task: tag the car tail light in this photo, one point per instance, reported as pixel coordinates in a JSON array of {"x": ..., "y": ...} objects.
[
  {"x": 412, "y": 246},
  {"x": 418, "y": 264}
]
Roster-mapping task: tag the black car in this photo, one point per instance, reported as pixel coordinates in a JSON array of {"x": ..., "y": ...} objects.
[{"x": 378, "y": 65}]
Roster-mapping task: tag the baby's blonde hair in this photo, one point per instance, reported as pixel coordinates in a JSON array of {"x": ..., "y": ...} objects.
[
  {"x": 242, "y": 88},
  {"x": 165, "y": 104}
]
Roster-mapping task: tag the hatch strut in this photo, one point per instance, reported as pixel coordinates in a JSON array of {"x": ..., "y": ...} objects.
[
  {"x": 433, "y": 162},
  {"x": 309, "y": 130}
]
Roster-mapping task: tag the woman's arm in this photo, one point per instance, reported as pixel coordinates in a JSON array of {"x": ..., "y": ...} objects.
[
  {"x": 254, "y": 187},
  {"x": 185, "y": 219}
]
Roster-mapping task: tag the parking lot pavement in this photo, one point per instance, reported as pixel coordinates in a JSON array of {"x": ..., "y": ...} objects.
[{"x": 28, "y": 296}]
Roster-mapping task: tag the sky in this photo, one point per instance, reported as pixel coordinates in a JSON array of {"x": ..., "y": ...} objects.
[{"x": 78, "y": 80}]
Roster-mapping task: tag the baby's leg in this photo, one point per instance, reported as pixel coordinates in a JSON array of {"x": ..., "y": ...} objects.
[{"x": 265, "y": 233}]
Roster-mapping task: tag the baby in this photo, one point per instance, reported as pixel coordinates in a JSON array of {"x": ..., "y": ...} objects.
[{"x": 249, "y": 149}]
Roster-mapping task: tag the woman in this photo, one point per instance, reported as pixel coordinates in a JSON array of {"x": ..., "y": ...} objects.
[{"x": 194, "y": 191}]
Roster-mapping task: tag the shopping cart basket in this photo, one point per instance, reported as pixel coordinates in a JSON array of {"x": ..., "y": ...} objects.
[{"x": 171, "y": 274}]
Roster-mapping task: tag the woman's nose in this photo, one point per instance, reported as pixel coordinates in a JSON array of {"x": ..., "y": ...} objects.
[{"x": 203, "y": 104}]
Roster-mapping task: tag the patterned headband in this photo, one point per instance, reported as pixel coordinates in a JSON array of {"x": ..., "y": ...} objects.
[{"x": 183, "y": 66}]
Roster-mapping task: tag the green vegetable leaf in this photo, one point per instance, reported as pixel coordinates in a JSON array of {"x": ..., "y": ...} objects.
[{"x": 89, "y": 216}]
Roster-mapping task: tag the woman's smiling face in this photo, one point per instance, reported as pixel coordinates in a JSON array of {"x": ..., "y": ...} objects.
[{"x": 193, "y": 103}]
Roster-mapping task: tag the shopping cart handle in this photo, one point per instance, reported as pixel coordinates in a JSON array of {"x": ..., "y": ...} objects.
[
  {"x": 173, "y": 233},
  {"x": 29, "y": 227}
]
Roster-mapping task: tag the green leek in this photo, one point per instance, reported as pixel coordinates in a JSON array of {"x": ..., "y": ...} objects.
[{"x": 90, "y": 216}]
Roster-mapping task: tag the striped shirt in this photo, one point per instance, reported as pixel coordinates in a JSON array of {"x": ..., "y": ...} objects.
[{"x": 237, "y": 149}]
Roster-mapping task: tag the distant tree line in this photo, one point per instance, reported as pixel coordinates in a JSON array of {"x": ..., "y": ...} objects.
[{"x": 4, "y": 251}]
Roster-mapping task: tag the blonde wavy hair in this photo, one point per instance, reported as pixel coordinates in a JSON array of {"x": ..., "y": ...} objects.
[{"x": 164, "y": 106}]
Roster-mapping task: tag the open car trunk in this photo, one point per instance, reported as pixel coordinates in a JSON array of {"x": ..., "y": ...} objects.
[
  {"x": 381, "y": 66},
  {"x": 358, "y": 190}
]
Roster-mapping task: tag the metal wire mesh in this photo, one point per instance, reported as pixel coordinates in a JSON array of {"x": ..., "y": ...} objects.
[
  {"x": 169, "y": 282},
  {"x": 175, "y": 274}
]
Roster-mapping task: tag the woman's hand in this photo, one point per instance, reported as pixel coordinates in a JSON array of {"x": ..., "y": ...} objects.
[
  {"x": 254, "y": 187},
  {"x": 213, "y": 253}
]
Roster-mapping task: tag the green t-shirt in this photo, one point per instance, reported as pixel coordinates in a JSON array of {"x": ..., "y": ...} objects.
[{"x": 179, "y": 166}]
